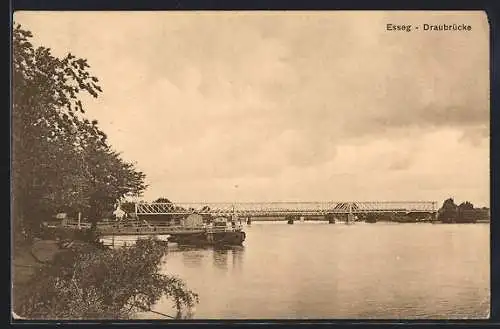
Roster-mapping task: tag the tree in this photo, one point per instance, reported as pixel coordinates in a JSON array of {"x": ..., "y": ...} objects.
[
  {"x": 44, "y": 126},
  {"x": 102, "y": 284},
  {"x": 128, "y": 207},
  {"x": 448, "y": 212},
  {"x": 466, "y": 213},
  {"x": 60, "y": 160},
  {"x": 111, "y": 179},
  {"x": 466, "y": 206},
  {"x": 162, "y": 200}
]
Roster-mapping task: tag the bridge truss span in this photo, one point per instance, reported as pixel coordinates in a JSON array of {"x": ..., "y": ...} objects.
[{"x": 249, "y": 209}]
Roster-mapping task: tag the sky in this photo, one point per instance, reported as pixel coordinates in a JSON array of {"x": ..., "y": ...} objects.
[{"x": 288, "y": 106}]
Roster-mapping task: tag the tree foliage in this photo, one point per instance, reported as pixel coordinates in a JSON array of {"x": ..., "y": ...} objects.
[
  {"x": 448, "y": 212},
  {"x": 466, "y": 206},
  {"x": 103, "y": 284},
  {"x": 451, "y": 213},
  {"x": 128, "y": 207},
  {"x": 162, "y": 200},
  {"x": 61, "y": 160}
]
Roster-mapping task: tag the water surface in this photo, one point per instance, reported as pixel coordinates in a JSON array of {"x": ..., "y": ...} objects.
[{"x": 314, "y": 270}]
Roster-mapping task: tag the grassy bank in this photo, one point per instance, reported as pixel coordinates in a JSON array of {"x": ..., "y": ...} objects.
[{"x": 83, "y": 280}]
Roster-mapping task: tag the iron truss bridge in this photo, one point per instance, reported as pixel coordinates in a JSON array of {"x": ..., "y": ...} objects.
[{"x": 256, "y": 209}]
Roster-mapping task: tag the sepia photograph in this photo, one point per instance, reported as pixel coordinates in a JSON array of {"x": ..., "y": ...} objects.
[{"x": 250, "y": 165}]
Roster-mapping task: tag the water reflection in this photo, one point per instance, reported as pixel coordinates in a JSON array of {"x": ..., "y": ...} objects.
[
  {"x": 220, "y": 258},
  {"x": 223, "y": 255},
  {"x": 193, "y": 258},
  {"x": 237, "y": 253}
]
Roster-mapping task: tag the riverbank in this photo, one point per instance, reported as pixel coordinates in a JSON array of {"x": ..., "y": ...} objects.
[
  {"x": 72, "y": 280},
  {"x": 27, "y": 261}
]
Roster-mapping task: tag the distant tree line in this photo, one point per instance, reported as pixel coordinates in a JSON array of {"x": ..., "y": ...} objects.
[
  {"x": 449, "y": 212},
  {"x": 465, "y": 212}
]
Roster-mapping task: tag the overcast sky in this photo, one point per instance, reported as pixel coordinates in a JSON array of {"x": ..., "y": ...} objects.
[{"x": 288, "y": 106}]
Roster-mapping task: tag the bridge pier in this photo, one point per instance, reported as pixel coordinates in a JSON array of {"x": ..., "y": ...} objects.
[
  {"x": 371, "y": 218},
  {"x": 330, "y": 218}
]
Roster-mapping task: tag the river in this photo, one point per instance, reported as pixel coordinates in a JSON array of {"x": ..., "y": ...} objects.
[{"x": 314, "y": 270}]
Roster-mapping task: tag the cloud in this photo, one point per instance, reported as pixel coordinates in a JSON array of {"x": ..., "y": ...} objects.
[{"x": 279, "y": 101}]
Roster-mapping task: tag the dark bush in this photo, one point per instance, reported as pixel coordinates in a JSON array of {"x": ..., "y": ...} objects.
[{"x": 102, "y": 284}]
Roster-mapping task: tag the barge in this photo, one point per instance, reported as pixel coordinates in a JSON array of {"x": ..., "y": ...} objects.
[{"x": 190, "y": 231}]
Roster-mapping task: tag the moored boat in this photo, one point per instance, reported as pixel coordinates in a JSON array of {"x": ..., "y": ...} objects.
[{"x": 192, "y": 230}]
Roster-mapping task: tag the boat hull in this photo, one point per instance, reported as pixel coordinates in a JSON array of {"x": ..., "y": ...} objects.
[{"x": 230, "y": 238}]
